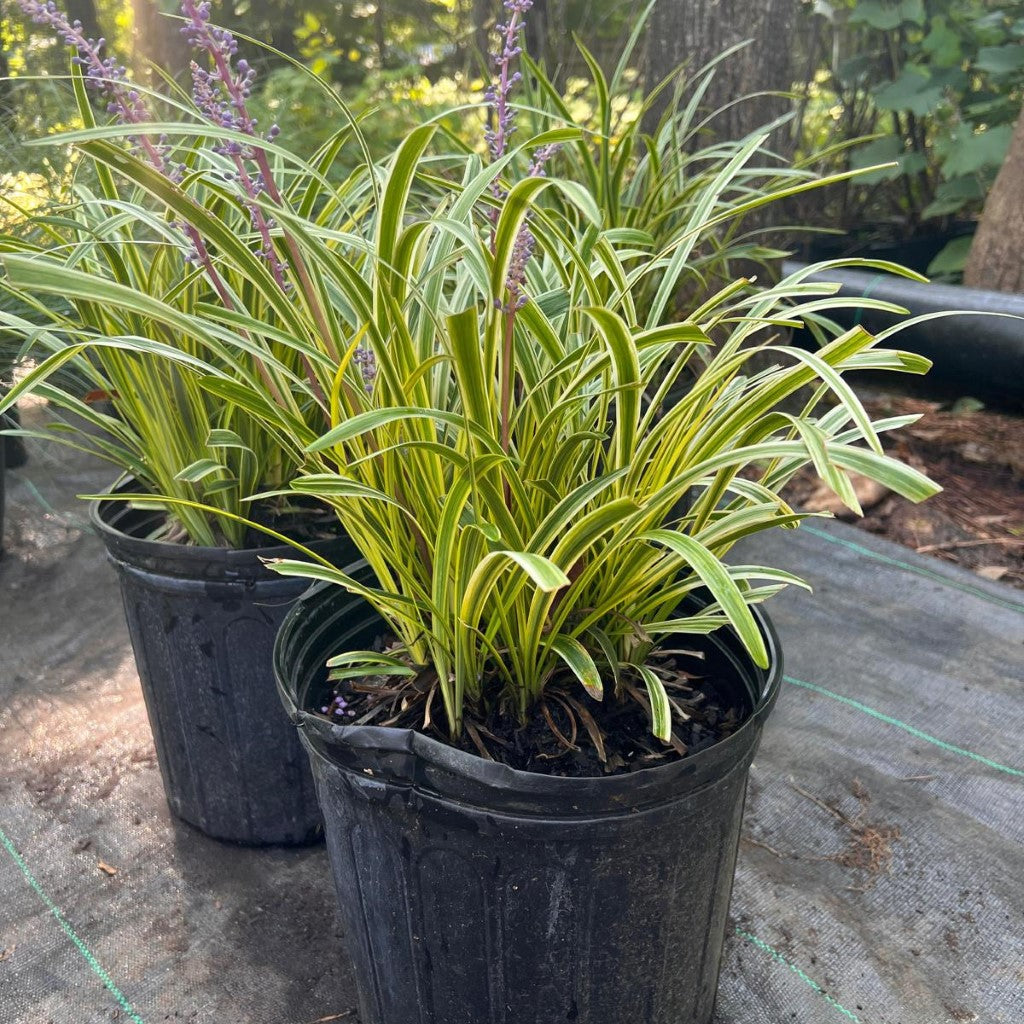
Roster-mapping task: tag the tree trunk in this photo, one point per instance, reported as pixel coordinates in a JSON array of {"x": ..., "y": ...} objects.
[
  {"x": 85, "y": 12},
  {"x": 697, "y": 31},
  {"x": 996, "y": 261},
  {"x": 537, "y": 33},
  {"x": 6, "y": 109},
  {"x": 380, "y": 34},
  {"x": 481, "y": 17},
  {"x": 158, "y": 42}
]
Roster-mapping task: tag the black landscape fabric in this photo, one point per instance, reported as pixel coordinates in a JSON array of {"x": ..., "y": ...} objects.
[{"x": 880, "y": 874}]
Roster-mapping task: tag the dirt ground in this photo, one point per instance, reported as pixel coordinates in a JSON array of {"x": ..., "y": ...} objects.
[{"x": 977, "y": 455}]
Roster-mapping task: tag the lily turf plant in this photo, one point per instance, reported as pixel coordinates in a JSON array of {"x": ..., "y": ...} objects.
[
  {"x": 181, "y": 220},
  {"x": 656, "y": 180},
  {"x": 532, "y": 507},
  {"x": 503, "y": 435}
]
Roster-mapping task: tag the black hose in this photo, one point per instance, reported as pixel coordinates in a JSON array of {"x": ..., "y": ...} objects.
[{"x": 981, "y": 356}]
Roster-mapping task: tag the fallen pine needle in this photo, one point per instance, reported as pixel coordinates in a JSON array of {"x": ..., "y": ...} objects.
[
  {"x": 770, "y": 849},
  {"x": 951, "y": 545}
]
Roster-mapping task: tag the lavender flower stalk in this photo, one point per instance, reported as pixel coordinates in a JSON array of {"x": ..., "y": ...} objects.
[
  {"x": 102, "y": 74},
  {"x": 497, "y": 95},
  {"x": 127, "y": 106},
  {"x": 503, "y": 116},
  {"x": 221, "y": 95}
]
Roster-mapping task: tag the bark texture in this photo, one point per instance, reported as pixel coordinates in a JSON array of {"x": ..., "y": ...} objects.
[
  {"x": 696, "y": 31},
  {"x": 996, "y": 261},
  {"x": 85, "y": 12}
]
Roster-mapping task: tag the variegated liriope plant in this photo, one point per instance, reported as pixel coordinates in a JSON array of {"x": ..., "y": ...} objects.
[
  {"x": 170, "y": 237},
  {"x": 513, "y": 473},
  {"x": 656, "y": 177},
  {"x": 501, "y": 446},
  {"x": 531, "y": 506}
]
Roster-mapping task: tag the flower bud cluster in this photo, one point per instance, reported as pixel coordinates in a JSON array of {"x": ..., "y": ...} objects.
[
  {"x": 221, "y": 93},
  {"x": 337, "y": 708},
  {"x": 102, "y": 74},
  {"x": 497, "y": 94},
  {"x": 366, "y": 360}
]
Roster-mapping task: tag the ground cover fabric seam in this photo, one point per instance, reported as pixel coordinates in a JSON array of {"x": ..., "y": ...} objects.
[
  {"x": 763, "y": 946},
  {"x": 913, "y": 730},
  {"x": 930, "y": 574},
  {"x": 83, "y": 949}
]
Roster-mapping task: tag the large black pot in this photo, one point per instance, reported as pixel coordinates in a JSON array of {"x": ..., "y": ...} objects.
[
  {"x": 202, "y": 623},
  {"x": 472, "y": 893},
  {"x": 916, "y": 251}
]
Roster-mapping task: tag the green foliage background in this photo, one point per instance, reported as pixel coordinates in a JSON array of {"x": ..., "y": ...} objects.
[{"x": 932, "y": 85}]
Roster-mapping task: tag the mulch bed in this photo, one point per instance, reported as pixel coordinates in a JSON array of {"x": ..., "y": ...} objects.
[{"x": 978, "y": 457}]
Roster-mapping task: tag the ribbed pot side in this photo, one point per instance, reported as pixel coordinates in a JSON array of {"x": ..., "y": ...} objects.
[
  {"x": 475, "y": 894},
  {"x": 202, "y": 623}
]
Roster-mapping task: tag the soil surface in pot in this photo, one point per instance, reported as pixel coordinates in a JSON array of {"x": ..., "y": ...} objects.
[
  {"x": 303, "y": 521},
  {"x": 569, "y": 733},
  {"x": 977, "y": 455}
]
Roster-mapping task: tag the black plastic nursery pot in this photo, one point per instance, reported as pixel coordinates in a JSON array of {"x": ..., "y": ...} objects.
[
  {"x": 3, "y": 495},
  {"x": 202, "y": 623},
  {"x": 916, "y": 250},
  {"x": 472, "y": 893}
]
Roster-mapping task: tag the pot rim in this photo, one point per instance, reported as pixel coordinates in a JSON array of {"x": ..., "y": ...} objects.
[
  {"x": 434, "y": 767},
  {"x": 191, "y": 561}
]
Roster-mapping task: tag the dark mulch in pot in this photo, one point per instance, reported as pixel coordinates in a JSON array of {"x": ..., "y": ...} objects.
[
  {"x": 303, "y": 521},
  {"x": 977, "y": 455},
  {"x": 569, "y": 733}
]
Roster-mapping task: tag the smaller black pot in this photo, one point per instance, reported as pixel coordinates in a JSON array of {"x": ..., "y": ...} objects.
[
  {"x": 3, "y": 495},
  {"x": 202, "y": 623},
  {"x": 471, "y": 893}
]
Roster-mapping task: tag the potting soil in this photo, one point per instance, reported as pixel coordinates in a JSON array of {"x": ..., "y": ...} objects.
[{"x": 880, "y": 879}]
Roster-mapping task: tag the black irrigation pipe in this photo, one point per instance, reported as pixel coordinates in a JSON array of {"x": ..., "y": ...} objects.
[{"x": 981, "y": 356}]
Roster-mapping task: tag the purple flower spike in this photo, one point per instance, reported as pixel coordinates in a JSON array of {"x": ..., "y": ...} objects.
[
  {"x": 102, "y": 74},
  {"x": 521, "y": 253},
  {"x": 497, "y": 95},
  {"x": 220, "y": 93},
  {"x": 525, "y": 240},
  {"x": 541, "y": 157},
  {"x": 366, "y": 360},
  {"x": 503, "y": 117}
]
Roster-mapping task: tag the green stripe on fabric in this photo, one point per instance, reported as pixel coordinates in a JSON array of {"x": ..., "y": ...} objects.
[
  {"x": 806, "y": 979},
  {"x": 919, "y": 570},
  {"x": 889, "y": 720},
  {"x": 91, "y": 960}
]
